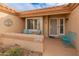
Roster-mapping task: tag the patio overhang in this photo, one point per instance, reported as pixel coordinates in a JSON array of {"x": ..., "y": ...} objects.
[
  {"x": 46, "y": 11},
  {"x": 64, "y": 9}
]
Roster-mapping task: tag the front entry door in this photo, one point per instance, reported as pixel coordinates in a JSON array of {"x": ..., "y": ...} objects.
[
  {"x": 53, "y": 27},
  {"x": 56, "y": 26}
]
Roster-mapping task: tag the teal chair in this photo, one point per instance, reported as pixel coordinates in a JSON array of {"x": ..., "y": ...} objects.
[
  {"x": 26, "y": 31},
  {"x": 68, "y": 39}
]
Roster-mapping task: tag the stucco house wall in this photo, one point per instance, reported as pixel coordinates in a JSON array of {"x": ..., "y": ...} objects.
[
  {"x": 45, "y": 26},
  {"x": 16, "y": 26},
  {"x": 73, "y": 24}
]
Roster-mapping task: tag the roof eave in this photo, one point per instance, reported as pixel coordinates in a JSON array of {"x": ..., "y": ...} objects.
[
  {"x": 47, "y": 11},
  {"x": 7, "y": 10}
]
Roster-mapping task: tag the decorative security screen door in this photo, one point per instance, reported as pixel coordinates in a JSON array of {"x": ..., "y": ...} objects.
[
  {"x": 56, "y": 26},
  {"x": 53, "y": 23}
]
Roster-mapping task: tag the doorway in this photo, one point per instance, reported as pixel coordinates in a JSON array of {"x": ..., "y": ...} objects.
[{"x": 56, "y": 27}]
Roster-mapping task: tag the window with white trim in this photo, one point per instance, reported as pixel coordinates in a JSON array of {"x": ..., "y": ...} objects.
[{"x": 33, "y": 24}]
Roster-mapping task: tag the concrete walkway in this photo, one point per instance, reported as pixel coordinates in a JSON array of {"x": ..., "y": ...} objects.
[{"x": 54, "y": 47}]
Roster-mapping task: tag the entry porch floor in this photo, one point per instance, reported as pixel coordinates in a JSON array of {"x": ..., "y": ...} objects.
[{"x": 54, "y": 47}]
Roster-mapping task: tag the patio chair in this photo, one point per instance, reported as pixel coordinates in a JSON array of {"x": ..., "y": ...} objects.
[
  {"x": 26, "y": 31},
  {"x": 68, "y": 39}
]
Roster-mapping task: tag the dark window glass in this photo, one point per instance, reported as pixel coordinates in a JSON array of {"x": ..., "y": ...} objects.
[
  {"x": 61, "y": 26},
  {"x": 35, "y": 24},
  {"x": 29, "y": 24}
]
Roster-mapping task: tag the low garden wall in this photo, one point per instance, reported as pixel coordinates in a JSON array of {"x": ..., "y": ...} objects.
[{"x": 27, "y": 41}]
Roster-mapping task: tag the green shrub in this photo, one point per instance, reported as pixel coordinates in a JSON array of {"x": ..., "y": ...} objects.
[{"x": 12, "y": 52}]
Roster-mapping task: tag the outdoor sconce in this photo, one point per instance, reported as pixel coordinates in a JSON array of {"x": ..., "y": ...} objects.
[{"x": 66, "y": 19}]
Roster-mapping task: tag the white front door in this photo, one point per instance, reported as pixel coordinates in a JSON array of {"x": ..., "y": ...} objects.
[{"x": 56, "y": 26}]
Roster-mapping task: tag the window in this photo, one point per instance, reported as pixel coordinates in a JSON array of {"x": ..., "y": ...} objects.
[
  {"x": 61, "y": 26},
  {"x": 30, "y": 24},
  {"x": 33, "y": 24}
]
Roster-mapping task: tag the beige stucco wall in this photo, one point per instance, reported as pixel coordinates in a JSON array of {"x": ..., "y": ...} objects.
[
  {"x": 45, "y": 26},
  {"x": 73, "y": 24},
  {"x": 17, "y": 23}
]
